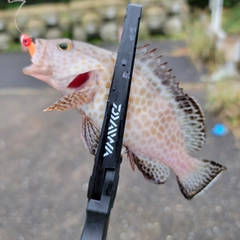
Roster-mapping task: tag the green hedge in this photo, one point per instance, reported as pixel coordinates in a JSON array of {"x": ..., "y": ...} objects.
[
  {"x": 5, "y": 5},
  {"x": 205, "y": 3},
  {"x": 193, "y": 3}
]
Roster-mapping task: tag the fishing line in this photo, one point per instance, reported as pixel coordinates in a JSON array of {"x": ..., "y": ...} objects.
[{"x": 22, "y": 3}]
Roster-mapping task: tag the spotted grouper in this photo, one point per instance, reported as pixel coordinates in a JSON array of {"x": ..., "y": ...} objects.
[{"x": 164, "y": 126}]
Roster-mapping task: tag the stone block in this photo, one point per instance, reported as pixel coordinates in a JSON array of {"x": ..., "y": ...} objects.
[
  {"x": 79, "y": 33},
  {"x": 64, "y": 22},
  {"x": 53, "y": 33},
  {"x": 107, "y": 12},
  {"x": 173, "y": 25},
  {"x": 155, "y": 17},
  {"x": 2, "y": 24},
  {"x": 109, "y": 31},
  {"x": 12, "y": 30},
  {"x": 172, "y": 6},
  {"x": 5, "y": 40},
  {"x": 91, "y": 23},
  {"x": 35, "y": 28}
]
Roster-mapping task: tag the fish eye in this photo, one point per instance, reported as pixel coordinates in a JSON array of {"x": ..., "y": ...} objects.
[{"x": 64, "y": 46}]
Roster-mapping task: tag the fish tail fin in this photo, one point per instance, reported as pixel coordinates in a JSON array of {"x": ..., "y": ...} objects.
[{"x": 194, "y": 182}]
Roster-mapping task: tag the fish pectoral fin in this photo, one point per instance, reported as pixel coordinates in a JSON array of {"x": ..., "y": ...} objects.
[
  {"x": 72, "y": 100},
  {"x": 151, "y": 169},
  {"x": 90, "y": 135},
  {"x": 199, "y": 178}
]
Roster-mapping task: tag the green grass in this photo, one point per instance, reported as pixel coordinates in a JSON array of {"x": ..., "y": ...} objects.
[
  {"x": 201, "y": 46},
  {"x": 223, "y": 100},
  {"x": 178, "y": 36},
  {"x": 231, "y": 20},
  {"x": 13, "y": 47}
]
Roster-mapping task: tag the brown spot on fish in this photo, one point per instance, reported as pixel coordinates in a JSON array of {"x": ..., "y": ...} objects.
[
  {"x": 148, "y": 123},
  {"x": 167, "y": 112},
  {"x": 143, "y": 101},
  {"x": 148, "y": 95},
  {"x": 105, "y": 97},
  {"x": 161, "y": 128},
  {"x": 131, "y": 99},
  {"x": 156, "y": 123},
  {"x": 145, "y": 108},
  {"x": 105, "y": 60},
  {"x": 107, "y": 85},
  {"x": 98, "y": 99},
  {"x": 101, "y": 108},
  {"x": 144, "y": 117},
  {"x": 156, "y": 106},
  {"x": 142, "y": 91},
  {"x": 138, "y": 110},
  {"x": 153, "y": 130},
  {"x": 163, "y": 120},
  {"x": 101, "y": 91},
  {"x": 98, "y": 66},
  {"x": 169, "y": 118},
  {"x": 173, "y": 138},
  {"x": 137, "y": 100},
  {"x": 145, "y": 133}
]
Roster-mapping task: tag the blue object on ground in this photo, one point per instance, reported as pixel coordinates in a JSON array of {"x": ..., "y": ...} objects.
[{"x": 219, "y": 129}]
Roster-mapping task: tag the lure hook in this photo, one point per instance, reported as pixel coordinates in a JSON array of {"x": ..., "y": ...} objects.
[
  {"x": 22, "y": 3},
  {"x": 26, "y": 41}
]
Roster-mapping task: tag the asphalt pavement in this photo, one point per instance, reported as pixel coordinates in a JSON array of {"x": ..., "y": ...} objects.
[{"x": 45, "y": 168}]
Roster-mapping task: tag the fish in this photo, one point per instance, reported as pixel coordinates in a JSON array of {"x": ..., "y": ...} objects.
[{"x": 164, "y": 126}]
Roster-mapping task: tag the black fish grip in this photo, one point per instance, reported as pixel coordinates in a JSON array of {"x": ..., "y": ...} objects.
[{"x": 104, "y": 180}]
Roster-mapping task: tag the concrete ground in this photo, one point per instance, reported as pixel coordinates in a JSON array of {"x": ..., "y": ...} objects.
[{"x": 45, "y": 168}]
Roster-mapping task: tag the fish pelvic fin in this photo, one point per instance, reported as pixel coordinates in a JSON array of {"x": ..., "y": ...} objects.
[
  {"x": 202, "y": 176},
  {"x": 90, "y": 134},
  {"x": 152, "y": 170}
]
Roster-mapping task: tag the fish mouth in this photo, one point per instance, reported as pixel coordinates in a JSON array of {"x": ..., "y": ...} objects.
[
  {"x": 79, "y": 80},
  {"x": 38, "y": 72},
  {"x": 45, "y": 74}
]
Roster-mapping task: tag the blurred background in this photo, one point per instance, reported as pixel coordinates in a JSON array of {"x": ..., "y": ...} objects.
[{"x": 44, "y": 166}]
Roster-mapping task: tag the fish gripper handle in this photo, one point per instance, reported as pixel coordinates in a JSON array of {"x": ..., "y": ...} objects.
[{"x": 103, "y": 182}]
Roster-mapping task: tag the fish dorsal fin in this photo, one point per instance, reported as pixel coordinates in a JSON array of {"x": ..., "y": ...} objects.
[
  {"x": 186, "y": 109},
  {"x": 151, "y": 169},
  {"x": 90, "y": 135}
]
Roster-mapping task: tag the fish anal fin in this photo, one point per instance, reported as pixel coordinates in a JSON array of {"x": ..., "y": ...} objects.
[
  {"x": 90, "y": 135},
  {"x": 198, "y": 179},
  {"x": 131, "y": 158},
  {"x": 73, "y": 100},
  {"x": 152, "y": 170}
]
